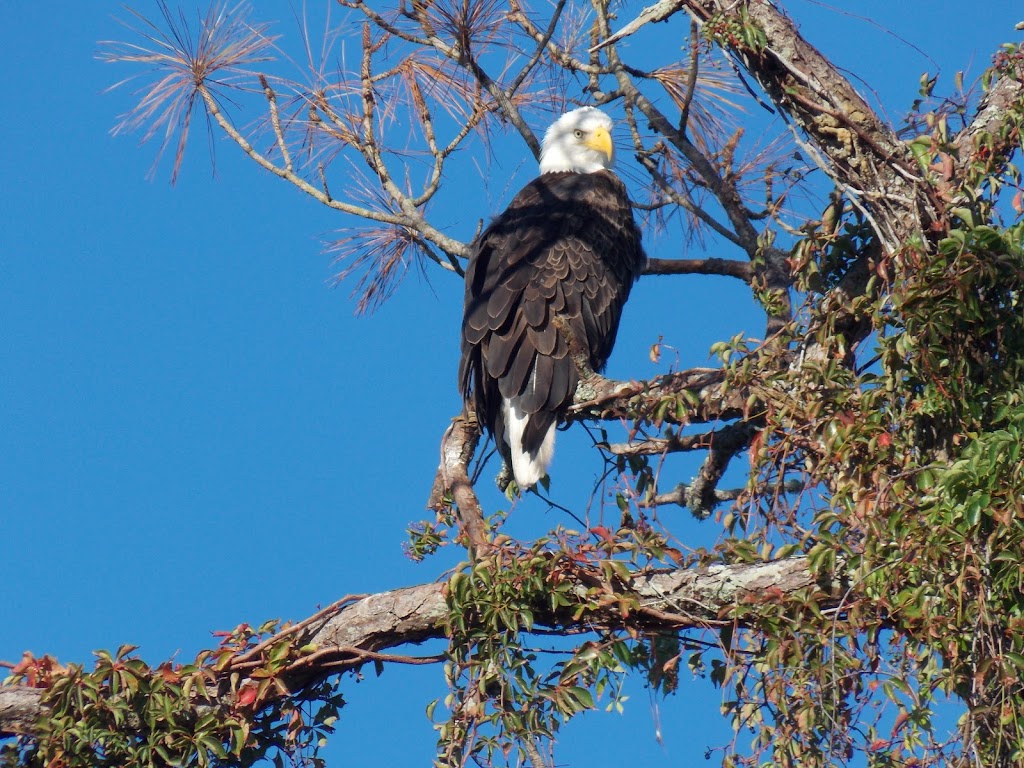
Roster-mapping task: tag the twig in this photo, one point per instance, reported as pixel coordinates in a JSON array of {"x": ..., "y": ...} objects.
[
  {"x": 275, "y": 122},
  {"x": 324, "y": 613}
]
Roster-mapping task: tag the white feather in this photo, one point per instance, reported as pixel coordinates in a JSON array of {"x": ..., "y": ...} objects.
[
  {"x": 561, "y": 150},
  {"x": 528, "y": 468}
]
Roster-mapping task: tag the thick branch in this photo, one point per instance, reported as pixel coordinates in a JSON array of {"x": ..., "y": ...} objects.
[
  {"x": 1002, "y": 96},
  {"x": 727, "y": 442},
  {"x": 673, "y": 599},
  {"x": 19, "y": 709},
  {"x": 457, "y": 448}
]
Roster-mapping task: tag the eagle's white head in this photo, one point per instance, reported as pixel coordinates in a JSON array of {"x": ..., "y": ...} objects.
[{"x": 579, "y": 141}]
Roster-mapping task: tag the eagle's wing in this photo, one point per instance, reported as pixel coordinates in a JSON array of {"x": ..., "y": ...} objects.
[{"x": 566, "y": 246}]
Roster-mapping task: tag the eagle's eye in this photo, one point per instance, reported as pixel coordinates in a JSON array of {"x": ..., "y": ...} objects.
[{"x": 578, "y": 133}]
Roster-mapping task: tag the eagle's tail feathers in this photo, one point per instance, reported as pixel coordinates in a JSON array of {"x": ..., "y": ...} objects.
[{"x": 527, "y": 466}]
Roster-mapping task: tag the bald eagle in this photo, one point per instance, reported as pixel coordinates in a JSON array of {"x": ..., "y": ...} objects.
[{"x": 567, "y": 246}]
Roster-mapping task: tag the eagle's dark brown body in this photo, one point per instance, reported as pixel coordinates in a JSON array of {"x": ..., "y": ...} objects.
[{"x": 567, "y": 245}]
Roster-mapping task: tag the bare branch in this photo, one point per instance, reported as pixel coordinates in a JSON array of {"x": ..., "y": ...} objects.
[
  {"x": 417, "y": 222},
  {"x": 681, "y": 492},
  {"x": 659, "y": 446},
  {"x": 725, "y": 267},
  {"x": 725, "y": 444},
  {"x": 262, "y": 160},
  {"x": 275, "y": 121}
]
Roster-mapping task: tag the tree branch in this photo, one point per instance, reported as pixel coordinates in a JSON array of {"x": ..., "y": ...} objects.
[
  {"x": 725, "y": 267},
  {"x": 457, "y": 448},
  {"x": 361, "y": 629},
  {"x": 411, "y": 219},
  {"x": 725, "y": 444},
  {"x": 680, "y": 494},
  {"x": 1001, "y": 96},
  {"x": 700, "y": 391}
]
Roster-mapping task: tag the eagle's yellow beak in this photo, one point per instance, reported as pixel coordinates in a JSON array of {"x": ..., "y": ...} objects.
[{"x": 601, "y": 140}]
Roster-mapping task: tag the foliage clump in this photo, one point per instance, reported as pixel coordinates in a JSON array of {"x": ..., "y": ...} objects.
[{"x": 232, "y": 706}]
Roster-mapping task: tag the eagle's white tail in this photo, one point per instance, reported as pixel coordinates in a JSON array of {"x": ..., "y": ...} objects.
[{"x": 528, "y": 468}]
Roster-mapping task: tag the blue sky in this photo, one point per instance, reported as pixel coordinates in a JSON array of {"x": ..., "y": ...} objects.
[{"x": 197, "y": 431}]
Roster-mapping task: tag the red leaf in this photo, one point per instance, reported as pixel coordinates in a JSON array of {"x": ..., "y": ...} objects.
[
  {"x": 246, "y": 695},
  {"x": 168, "y": 674},
  {"x": 675, "y": 554},
  {"x": 901, "y": 718}
]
